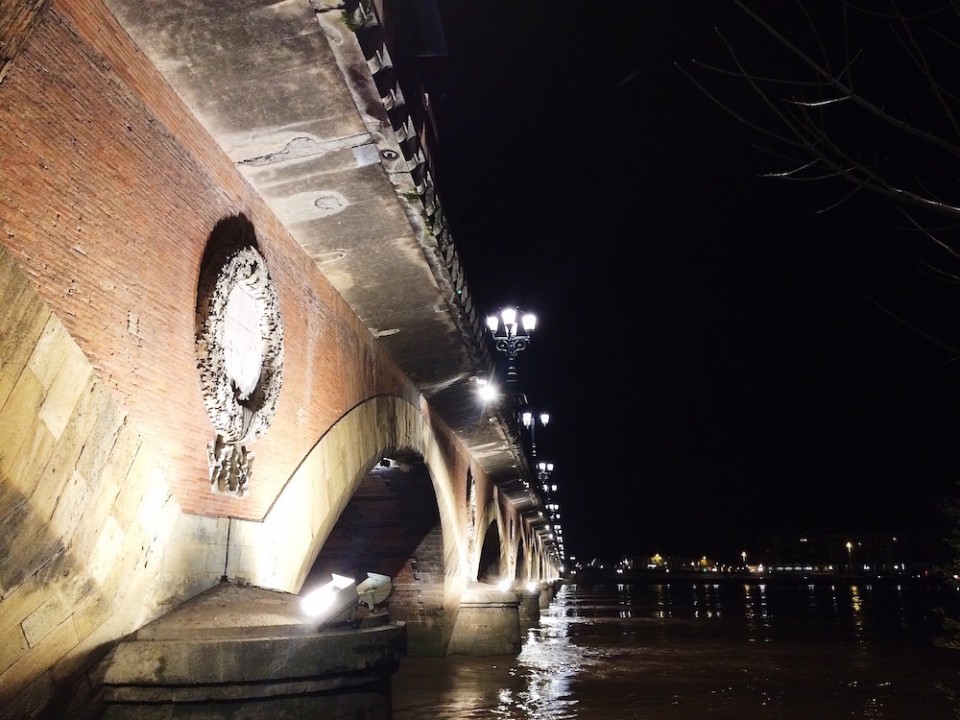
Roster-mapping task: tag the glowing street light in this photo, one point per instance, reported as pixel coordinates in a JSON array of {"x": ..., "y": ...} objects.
[
  {"x": 530, "y": 422},
  {"x": 487, "y": 391},
  {"x": 511, "y": 330},
  {"x": 544, "y": 471}
]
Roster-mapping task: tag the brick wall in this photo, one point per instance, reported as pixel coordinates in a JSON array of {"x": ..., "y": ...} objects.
[{"x": 108, "y": 210}]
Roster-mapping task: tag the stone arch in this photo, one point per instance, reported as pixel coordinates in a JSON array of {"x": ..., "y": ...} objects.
[
  {"x": 278, "y": 552},
  {"x": 471, "y": 530},
  {"x": 391, "y": 526},
  {"x": 533, "y": 556},
  {"x": 521, "y": 573},
  {"x": 491, "y": 560}
]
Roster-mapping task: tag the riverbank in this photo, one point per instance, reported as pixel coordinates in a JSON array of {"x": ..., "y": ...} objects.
[{"x": 599, "y": 576}]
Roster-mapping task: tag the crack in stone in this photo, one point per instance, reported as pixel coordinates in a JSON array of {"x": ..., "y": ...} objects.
[{"x": 305, "y": 146}]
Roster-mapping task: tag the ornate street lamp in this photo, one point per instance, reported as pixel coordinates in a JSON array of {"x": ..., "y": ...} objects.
[
  {"x": 544, "y": 471},
  {"x": 530, "y": 421},
  {"x": 511, "y": 330}
]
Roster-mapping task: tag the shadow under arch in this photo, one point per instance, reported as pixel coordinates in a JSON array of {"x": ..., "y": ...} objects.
[
  {"x": 521, "y": 573},
  {"x": 531, "y": 567},
  {"x": 491, "y": 561}
]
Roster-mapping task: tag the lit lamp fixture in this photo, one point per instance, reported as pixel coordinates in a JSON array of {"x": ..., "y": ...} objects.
[
  {"x": 530, "y": 422},
  {"x": 511, "y": 330},
  {"x": 544, "y": 470},
  {"x": 486, "y": 390},
  {"x": 332, "y": 602},
  {"x": 338, "y": 600}
]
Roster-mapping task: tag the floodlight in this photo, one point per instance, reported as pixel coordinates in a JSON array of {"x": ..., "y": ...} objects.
[
  {"x": 374, "y": 590},
  {"x": 332, "y": 601}
]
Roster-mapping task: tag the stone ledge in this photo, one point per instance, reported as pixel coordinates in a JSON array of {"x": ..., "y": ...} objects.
[
  {"x": 173, "y": 694},
  {"x": 233, "y": 642}
]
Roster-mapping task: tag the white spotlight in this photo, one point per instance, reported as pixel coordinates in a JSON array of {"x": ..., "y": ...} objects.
[{"x": 331, "y": 600}]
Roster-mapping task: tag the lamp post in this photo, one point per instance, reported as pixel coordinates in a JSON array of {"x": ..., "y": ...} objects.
[
  {"x": 850, "y": 556},
  {"x": 530, "y": 422},
  {"x": 544, "y": 471},
  {"x": 511, "y": 330}
]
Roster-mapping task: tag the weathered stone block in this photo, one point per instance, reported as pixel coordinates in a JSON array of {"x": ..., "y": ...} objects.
[
  {"x": 67, "y": 384},
  {"x": 17, "y": 418},
  {"x": 36, "y": 660},
  {"x": 13, "y": 644}
]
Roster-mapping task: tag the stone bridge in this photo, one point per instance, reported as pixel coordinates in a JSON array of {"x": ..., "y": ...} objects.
[{"x": 237, "y": 350}]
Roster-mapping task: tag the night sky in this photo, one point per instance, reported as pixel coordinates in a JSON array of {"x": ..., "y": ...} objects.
[{"x": 723, "y": 354}]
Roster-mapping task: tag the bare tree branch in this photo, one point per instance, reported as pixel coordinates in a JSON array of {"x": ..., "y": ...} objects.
[
  {"x": 895, "y": 133},
  {"x": 834, "y": 82},
  {"x": 913, "y": 328}
]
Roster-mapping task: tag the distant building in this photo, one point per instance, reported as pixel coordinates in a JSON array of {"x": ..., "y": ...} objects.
[{"x": 834, "y": 554}]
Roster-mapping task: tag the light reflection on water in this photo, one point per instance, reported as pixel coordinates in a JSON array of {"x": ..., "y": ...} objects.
[{"x": 683, "y": 651}]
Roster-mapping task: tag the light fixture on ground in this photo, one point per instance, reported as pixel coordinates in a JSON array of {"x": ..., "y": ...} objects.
[
  {"x": 374, "y": 590},
  {"x": 335, "y": 601},
  {"x": 511, "y": 330}
]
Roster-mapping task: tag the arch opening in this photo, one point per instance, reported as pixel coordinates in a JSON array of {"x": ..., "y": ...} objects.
[
  {"x": 488, "y": 569},
  {"x": 391, "y": 526}
]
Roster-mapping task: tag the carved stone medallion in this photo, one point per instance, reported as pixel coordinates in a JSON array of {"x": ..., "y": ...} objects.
[{"x": 240, "y": 360}]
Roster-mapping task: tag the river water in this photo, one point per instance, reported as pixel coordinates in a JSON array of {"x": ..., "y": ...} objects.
[{"x": 694, "y": 650}]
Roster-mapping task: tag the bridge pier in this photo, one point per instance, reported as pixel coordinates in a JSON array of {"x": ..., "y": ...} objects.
[
  {"x": 423, "y": 609},
  {"x": 547, "y": 593},
  {"x": 529, "y": 606},
  {"x": 488, "y": 622},
  {"x": 233, "y": 647}
]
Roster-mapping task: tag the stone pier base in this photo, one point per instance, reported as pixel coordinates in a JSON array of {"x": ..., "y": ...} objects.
[
  {"x": 547, "y": 593},
  {"x": 247, "y": 653},
  {"x": 488, "y": 622},
  {"x": 529, "y": 608}
]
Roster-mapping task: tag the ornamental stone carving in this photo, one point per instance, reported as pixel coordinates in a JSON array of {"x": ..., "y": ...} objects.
[{"x": 239, "y": 345}]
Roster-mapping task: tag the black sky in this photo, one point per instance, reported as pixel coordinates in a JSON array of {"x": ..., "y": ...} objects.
[{"x": 720, "y": 358}]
